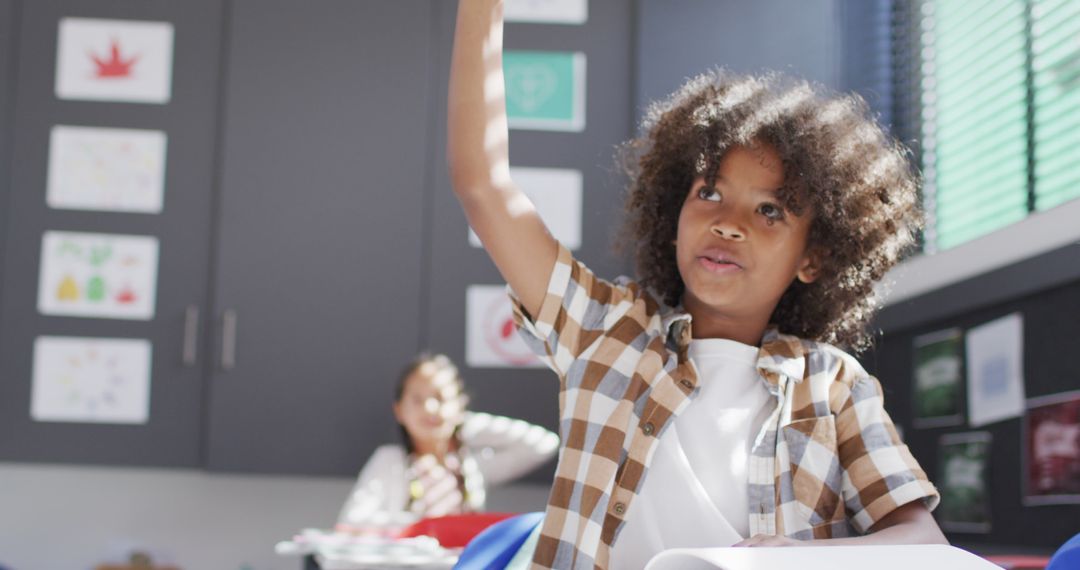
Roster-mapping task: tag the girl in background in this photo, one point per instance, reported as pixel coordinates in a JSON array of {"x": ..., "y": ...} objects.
[{"x": 449, "y": 457}]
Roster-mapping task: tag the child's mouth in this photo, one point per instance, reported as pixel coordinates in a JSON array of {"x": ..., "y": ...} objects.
[{"x": 719, "y": 265}]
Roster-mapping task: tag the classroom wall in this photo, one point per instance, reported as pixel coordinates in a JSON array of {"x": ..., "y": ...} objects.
[{"x": 1045, "y": 290}]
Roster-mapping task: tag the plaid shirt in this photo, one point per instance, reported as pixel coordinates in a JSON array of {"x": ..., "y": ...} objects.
[{"x": 828, "y": 462}]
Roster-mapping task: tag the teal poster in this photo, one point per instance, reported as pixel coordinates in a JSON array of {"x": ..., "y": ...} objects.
[{"x": 545, "y": 90}]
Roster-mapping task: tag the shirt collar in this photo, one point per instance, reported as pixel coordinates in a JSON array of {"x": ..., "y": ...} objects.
[{"x": 780, "y": 354}]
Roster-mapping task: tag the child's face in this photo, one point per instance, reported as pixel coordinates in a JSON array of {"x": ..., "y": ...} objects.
[
  {"x": 737, "y": 248},
  {"x": 431, "y": 405}
]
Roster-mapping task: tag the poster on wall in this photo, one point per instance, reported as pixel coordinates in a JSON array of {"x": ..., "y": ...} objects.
[
  {"x": 1052, "y": 450},
  {"x": 98, "y": 275},
  {"x": 99, "y": 380},
  {"x": 545, "y": 90},
  {"x": 556, "y": 193},
  {"x": 547, "y": 11},
  {"x": 113, "y": 170},
  {"x": 939, "y": 366},
  {"x": 995, "y": 373},
  {"x": 114, "y": 60},
  {"x": 965, "y": 491},
  {"x": 491, "y": 340}
]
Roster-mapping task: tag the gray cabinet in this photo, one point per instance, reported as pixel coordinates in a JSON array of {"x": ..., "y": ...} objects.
[
  {"x": 326, "y": 153},
  {"x": 171, "y": 436}
]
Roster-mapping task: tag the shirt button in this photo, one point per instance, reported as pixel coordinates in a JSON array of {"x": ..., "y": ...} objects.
[
  {"x": 648, "y": 428},
  {"x": 620, "y": 508},
  {"x": 686, "y": 383}
]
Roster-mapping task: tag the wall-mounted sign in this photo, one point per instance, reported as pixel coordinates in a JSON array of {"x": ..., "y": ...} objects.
[
  {"x": 545, "y": 90},
  {"x": 556, "y": 193},
  {"x": 114, "y": 60},
  {"x": 101, "y": 380},
  {"x": 115, "y": 170},
  {"x": 98, "y": 275},
  {"x": 491, "y": 340},
  {"x": 547, "y": 11}
]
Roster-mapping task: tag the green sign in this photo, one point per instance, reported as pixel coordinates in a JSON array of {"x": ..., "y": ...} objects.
[
  {"x": 545, "y": 90},
  {"x": 939, "y": 368}
]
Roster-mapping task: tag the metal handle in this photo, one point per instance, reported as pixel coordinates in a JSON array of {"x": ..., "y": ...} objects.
[
  {"x": 228, "y": 340},
  {"x": 191, "y": 335}
]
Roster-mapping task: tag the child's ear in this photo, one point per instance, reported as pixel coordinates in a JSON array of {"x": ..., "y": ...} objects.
[{"x": 810, "y": 266}]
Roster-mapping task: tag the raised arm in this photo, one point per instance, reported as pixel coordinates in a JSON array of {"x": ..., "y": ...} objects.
[{"x": 478, "y": 152}]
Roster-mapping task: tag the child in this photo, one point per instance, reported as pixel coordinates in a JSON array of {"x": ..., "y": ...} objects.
[
  {"x": 701, "y": 406},
  {"x": 449, "y": 456}
]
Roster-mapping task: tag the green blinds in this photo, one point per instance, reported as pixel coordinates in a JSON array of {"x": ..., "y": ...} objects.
[
  {"x": 974, "y": 117},
  {"x": 1055, "y": 26}
]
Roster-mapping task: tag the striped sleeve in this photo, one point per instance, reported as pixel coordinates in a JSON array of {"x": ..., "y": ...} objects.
[
  {"x": 880, "y": 474},
  {"x": 576, "y": 311}
]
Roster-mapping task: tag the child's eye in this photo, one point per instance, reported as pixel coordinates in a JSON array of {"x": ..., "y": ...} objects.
[
  {"x": 709, "y": 193},
  {"x": 772, "y": 212}
]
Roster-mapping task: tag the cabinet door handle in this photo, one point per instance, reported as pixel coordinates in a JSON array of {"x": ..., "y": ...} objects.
[
  {"x": 191, "y": 335},
  {"x": 228, "y": 340}
]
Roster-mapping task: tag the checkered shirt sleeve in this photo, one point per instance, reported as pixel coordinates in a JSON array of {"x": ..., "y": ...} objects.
[{"x": 881, "y": 475}]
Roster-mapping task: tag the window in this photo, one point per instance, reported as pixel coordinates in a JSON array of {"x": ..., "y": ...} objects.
[{"x": 991, "y": 90}]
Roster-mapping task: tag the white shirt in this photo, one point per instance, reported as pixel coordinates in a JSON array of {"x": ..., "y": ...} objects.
[{"x": 695, "y": 493}]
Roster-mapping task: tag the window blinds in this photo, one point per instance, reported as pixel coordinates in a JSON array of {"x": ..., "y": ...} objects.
[{"x": 1055, "y": 26}]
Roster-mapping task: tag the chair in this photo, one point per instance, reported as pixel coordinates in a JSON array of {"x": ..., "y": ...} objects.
[{"x": 1067, "y": 557}]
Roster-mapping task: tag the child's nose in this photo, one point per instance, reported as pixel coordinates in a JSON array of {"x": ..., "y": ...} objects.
[{"x": 728, "y": 230}]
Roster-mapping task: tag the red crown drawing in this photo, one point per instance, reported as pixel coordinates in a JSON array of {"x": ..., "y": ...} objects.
[{"x": 115, "y": 66}]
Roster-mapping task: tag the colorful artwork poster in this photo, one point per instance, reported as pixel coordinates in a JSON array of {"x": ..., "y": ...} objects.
[
  {"x": 100, "y": 380},
  {"x": 939, "y": 368},
  {"x": 547, "y": 11},
  {"x": 995, "y": 370},
  {"x": 1052, "y": 455},
  {"x": 98, "y": 275},
  {"x": 545, "y": 90},
  {"x": 965, "y": 491},
  {"x": 557, "y": 195},
  {"x": 113, "y": 170},
  {"x": 114, "y": 60},
  {"x": 491, "y": 340}
]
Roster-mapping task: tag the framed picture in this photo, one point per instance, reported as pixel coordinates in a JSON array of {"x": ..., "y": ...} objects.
[
  {"x": 939, "y": 375},
  {"x": 1052, "y": 450},
  {"x": 965, "y": 491}
]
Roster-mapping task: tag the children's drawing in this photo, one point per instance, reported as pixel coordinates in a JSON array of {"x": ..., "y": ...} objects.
[
  {"x": 118, "y": 170},
  {"x": 545, "y": 90},
  {"x": 547, "y": 11},
  {"x": 98, "y": 275},
  {"x": 100, "y": 380},
  {"x": 114, "y": 60},
  {"x": 556, "y": 193},
  {"x": 491, "y": 341}
]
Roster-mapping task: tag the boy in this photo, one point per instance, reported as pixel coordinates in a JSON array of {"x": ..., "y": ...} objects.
[{"x": 701, "y": 405}]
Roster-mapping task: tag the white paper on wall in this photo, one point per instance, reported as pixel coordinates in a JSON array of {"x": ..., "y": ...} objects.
[
  {"x": 102, "y": 380},
  {"x": 995, "y": 359},
  {"x": 117, "y": 170},
  {"x": 557, "y": 195},
  {"x": 114, "y": 60},
  {"x": 98, "y": 275},
  {"x": 491, "y": 341},
  {"x": 547, "y": 11}
]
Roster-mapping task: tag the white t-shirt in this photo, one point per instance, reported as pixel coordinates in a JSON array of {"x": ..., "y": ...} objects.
[{"x": 695, "y": 494}]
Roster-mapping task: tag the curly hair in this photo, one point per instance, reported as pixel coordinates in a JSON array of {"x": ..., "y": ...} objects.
[{"x": 837, "y": 162}]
